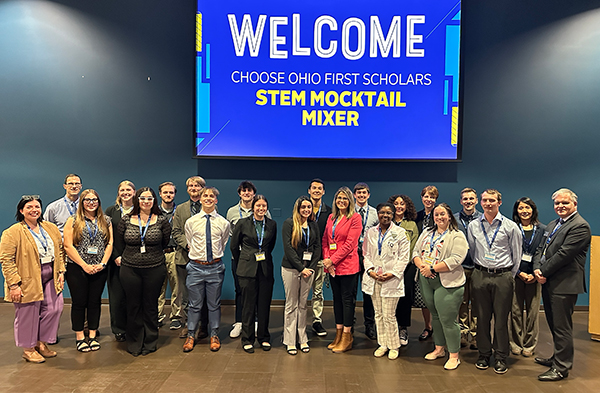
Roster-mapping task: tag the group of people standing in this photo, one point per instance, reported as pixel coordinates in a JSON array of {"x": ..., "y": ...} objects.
[{"x": 432, "y": 259}]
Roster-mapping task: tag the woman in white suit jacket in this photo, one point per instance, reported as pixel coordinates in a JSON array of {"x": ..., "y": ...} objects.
[
  {"x": 438, "y": 254},
  {"x": 386, "y": 253}
]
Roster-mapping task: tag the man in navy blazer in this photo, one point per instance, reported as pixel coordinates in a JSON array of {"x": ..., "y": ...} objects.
[{"x": 559, "y": 265}]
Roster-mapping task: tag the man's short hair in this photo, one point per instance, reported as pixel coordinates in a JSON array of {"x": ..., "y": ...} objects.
[
  {"x": 167, "y": 183},
  {"x": 468, "y": 189},
  {"x": 71, "y": 175},
  {"x": 361, "y": 186},
  {"x": 316, "y": 180},
  {"x": 565, "y": 191},
  {"x": 196, "y": 179},
  {"x": 246, "y": 185},
  {"x": 492, "y": 191},
  {"x": 213, "y": 189}
]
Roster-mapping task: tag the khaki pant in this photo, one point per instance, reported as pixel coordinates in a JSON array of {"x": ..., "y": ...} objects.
[
  {"x": 172, "y": 279},
  {"x": 466, "y": 313}
]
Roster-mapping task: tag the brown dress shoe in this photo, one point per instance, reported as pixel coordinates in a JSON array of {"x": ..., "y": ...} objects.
[
  {"x": 189, "y": 344},
  {"x": 337, "y": 339},
  {"x": 345, "y": 343},
  {"x": 183, "y": 333},
  {"x": 215, "y": 344},
  {"x": 43, "y": 350},
  {"x": 31, "y": 355}
]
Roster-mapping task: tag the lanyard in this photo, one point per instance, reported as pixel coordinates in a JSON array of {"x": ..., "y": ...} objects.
[
  {"x": 433, "y": 242},
  {"x": 260, "y": 236},
  {"x": 123, "y": 211},
  {"x": 71, "y": 212},
  {"x": 495, "y": 233},
  {"x": 380, "y": 239},
  {"x": 527, "y": 244},
  {"x": 307, "y": 235},
  {"x": 319, "y": 212},
  {"x": 92, "y": 235},
  {"x": 337, "y": 220},
  {"x": 143, "y": 233},
  {"x": 43, "y": 242},
  {"x": 553, "y": 232}
]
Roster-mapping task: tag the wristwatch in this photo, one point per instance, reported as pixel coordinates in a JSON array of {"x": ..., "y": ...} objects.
[{"x": 432, "y": 270}]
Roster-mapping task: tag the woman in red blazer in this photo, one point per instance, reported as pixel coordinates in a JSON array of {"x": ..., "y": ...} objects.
[{"x": 340, "y": 258}]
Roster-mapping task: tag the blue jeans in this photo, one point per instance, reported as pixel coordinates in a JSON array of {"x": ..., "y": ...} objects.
[{"x": 204, "y": 281}]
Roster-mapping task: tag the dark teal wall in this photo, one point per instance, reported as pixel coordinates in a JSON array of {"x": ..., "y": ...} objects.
[{"x": 75, "y": 97}]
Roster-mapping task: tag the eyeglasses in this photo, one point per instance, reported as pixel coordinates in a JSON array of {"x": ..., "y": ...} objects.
[
  {"x": 30, "y": 197},
  {"x": 146, "y": 199},
  {"x": 90, "y": 200}
]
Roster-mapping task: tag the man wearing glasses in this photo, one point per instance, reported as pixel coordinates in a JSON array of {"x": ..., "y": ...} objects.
[{"x": 60, "y": 210}]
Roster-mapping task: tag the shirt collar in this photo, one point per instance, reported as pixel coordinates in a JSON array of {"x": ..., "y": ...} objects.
[{"x": 497, "y": 218}]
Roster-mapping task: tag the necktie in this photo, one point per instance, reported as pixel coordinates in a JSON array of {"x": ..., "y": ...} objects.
[
  {"x": 209, "y": 253},
  {"x": 361, "y": 211},
  {"x": 195, "y": 208}
]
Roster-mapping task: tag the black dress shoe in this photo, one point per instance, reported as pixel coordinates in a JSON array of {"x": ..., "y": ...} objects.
[
  {"x": 544, "y": 361},
  {"x": 552, "y": 375},
  {"x": 201, "y": 333},
  {"x": 370, "y": 332},
  {"x": 500, "y": 367},
  {"x": 319, "y": 329},
  {"x": 120, "y": 337},
  {"x": 482, "y": 363}
]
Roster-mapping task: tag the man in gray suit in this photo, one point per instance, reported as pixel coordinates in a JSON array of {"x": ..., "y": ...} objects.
[{"x": 559, "y": 265}]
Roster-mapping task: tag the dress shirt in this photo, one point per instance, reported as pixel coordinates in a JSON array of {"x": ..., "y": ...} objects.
[
  {"x": 463, "y": 220},
  {"x": 507, "y": 247},
  {"x": 237, "y": 212},
  {"x": 169, "y": 216},
  {"x": 369, "y": 220},
  {"x": 57, "y": 212},
  {"x": 195, "y": 234}
]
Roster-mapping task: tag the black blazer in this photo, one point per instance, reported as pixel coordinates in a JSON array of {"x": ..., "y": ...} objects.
[
  {"x": 564, "y": 264},
  {"x": 292, "y": 257},
  {"x": 527, "y": 267},
  {"x": 244, "y": 244}
]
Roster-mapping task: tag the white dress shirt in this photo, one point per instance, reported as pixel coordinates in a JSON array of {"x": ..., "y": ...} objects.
[{"x": 195, "y": 234}]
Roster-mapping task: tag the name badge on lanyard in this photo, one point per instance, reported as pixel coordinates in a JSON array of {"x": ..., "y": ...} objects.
[
  {"x": 92, "y": 249},
  {"x": 490, "y": 256},
  {"x": 307, "y": 256},
  {"x": 527, "y": 257},
  {"x": 428, "y": 259},
  {"x": 46, "y": 259},
  {"x": 260, "y": 256},
  {"x": 333, "y": 246},
  {"x": 143, "y": 232}
]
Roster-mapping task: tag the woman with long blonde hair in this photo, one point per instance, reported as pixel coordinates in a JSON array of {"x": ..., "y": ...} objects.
[
  {"x": 301, "y": 252},
  {"x": 88, "y": 243}
]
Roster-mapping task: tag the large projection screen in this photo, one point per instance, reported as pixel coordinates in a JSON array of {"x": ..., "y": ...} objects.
[{"x": 373, "y": 80}]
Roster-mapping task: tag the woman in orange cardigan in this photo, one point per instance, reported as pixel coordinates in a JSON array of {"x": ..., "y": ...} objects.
[
  {"x": 340, "y": 259},
  {"x": 32, "y": 257}
]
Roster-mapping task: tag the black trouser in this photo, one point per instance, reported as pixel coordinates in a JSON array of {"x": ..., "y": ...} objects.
[
  {"x": 238, "y": 292},
  {"x": 404, "y": 308},
  {"x": 368, "y": 310},
  {"x": 344, "y": 298},
  {"x": 256, "y": 294},
  {"x": 559, "y": 313},
  {"x": 116, "y": 300},
  {"x": 142, "y": 286},
  {"x": 86, "y": 295},
  {"x": 492, "y": 297}
]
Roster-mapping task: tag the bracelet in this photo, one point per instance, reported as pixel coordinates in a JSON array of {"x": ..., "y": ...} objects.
[{"x": 14, "y": 286}]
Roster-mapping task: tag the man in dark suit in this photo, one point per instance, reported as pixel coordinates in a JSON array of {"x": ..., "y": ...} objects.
[{"x": 559, "y": 265}]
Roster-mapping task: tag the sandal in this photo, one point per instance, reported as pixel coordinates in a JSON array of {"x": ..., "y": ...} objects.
[
  {"x": 94, "y": 344},
  {"x": 426, "y": 334},
  {"x": 266, "y": 346},
  {"x": 305, "y": 348},
  {"x": 82, "y": 346},
  {"x": 292, "y": 350},
  {"x": 248, "y": 348}
]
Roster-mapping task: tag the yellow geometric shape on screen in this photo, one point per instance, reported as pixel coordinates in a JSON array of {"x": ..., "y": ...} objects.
[
  {"x": 454, "y": 135},
  {"x": 198, "y": 32}
]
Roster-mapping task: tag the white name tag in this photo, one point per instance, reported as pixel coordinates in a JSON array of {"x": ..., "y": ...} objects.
[
  {"x": 428, "y": 260},
  {"x": 307, "y": 256},
  {"x": 260, "y": 256},
  {"x": 527, "y": 257},
  {"x": 92, "y": 250},
  {"x": 333, "y": 246},
  {"x": 490, "y": 257},
  {"x": 143, "y": 249},
  {"x": 46, "y": 259}
]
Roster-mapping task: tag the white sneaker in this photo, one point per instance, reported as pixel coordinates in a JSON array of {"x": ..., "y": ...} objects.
[
  {"x": 380, "y": 352},
  {"x": 236, "y": 331},
  {"x": 393, "y": 354},
  {"x": 403, "y": 337}
]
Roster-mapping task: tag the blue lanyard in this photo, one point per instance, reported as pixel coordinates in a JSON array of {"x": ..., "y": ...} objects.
[
  {"x": 71, "y": 212},
  {"x": 260, "y": 236},
  {"x": 122, "y": 211},
  {"x": 319, "y": 212},
  {"x": 92, "y": 235},
  {"x": 307, "y": 236},
  {"x": 495, "y": 233},
  {"x": 527, "y": 244},
  {"x": 333, "y": 229},
  {"x": 381, "y": 238},
  {"x": 44, "y": 242},
  {"x": 553, "y": 232},
  {"x": 143, "y": 233},
  {"x": 433, "y": 242}
]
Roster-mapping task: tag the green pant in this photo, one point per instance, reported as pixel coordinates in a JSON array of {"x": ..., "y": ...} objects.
[{"x": 443, "y": 303}]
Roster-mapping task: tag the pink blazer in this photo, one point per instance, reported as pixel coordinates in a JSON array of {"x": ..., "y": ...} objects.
[{"x": 347, "y": 234}]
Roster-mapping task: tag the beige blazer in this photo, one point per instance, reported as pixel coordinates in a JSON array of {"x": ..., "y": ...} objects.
[{"x": 21, "y": 261}]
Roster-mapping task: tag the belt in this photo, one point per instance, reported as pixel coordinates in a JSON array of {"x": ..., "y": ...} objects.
[
  {"x": 493, "y": 271},
  {"x": 169, "y": 249},
  {"x": 207, "y": 262}
]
